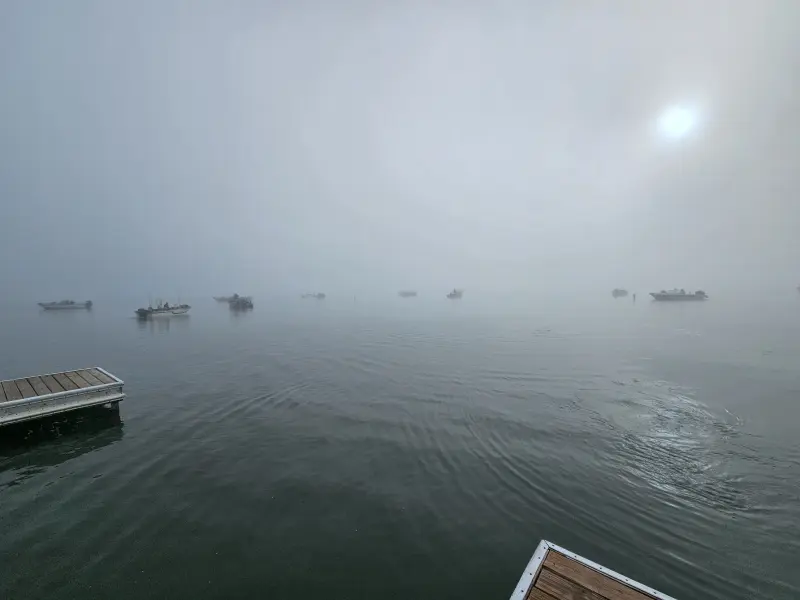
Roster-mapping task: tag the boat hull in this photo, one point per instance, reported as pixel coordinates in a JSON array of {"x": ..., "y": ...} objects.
[
  {"x": 162, "y": 313},
  {"x": 79, "y": 306},
  {"x": 170, "y": 313},
  {"x": 677, "y": 298}
]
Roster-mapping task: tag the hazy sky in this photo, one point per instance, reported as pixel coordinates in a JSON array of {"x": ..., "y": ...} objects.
[{"x": 208, "y": 146}]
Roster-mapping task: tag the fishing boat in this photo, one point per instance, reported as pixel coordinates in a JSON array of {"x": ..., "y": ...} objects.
[
  {"x": 66, "y": 305},
  {"x": 619, "y": 293},
  {"x": 455, "y": 294},
  {"x": 163, "y": 310},
  {"x": 679, "y": 296},
  {"x": 241, "y": 303},
  {"x": 226, "y": 298},
  {"x": 407, "y": 294},
  {"x": 555, "y": 573}
]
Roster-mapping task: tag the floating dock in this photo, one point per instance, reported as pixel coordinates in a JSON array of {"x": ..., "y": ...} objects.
[
  {"x": 45, "y": 395},
  {"x": 554, "y": 573}
]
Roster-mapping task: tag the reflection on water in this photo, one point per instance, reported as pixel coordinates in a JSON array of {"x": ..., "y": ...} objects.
[
  {"x": 66, "y": 314},
  {"x": 164, "y": 324},
  {"x": 681, "y": 457},
  {"x": 31, "y": 447},
  {"x": 240, "y": 313},
  {"x": 667, "y": 439}
]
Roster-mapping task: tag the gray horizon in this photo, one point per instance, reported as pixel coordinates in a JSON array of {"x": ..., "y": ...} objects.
[{"x": 209, "y": 147}]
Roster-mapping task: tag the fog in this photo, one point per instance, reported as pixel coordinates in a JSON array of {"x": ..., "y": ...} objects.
[{"x": 207, "y": 147}]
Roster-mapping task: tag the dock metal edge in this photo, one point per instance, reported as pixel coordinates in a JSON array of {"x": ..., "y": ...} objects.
[
  {"x": 531, "y": 572},
  {"x": 535, "y": 566}
]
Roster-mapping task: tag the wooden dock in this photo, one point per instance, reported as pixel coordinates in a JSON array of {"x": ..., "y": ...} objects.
[
  {"x": 554, "y": 573},
  {"x": 44, "y": 395}
]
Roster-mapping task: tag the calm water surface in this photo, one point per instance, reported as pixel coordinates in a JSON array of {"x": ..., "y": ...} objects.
[{"x": 407, "y": 448}]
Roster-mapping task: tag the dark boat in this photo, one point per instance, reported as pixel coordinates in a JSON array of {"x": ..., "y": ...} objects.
[
  {"x": 241, "y": 303},
  {"x": 407, "y": 294},
  {"x": 66, "y": 305},
  {"x": 619, "y": 293},
  {"x": 455, "y": 294},
  {"x": 318, "y": 296}
]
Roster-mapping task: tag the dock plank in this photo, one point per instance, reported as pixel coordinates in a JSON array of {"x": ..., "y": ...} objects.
[
  {"x": 89, "y": 377},
  {"x": 65, "y": 381},
  {"x": 537, "y": 594},
  {"x": 52, "y": 384},
  {"x": 562, "y": 588},
  {"x": 592, "y": 580},
  {"x": 77, "y": 379},
  {"x": 11, "y": 390},
  {"x": 25, "y": 388},
  {"x": 38, "y": 386},
  {"x": 101, "y": 376}
]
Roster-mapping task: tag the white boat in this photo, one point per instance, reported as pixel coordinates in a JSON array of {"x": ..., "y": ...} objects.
[
  {"x": 66, "y": 305},
  {"x": 679, "y": 295},
  {"x": 163, "y": 310}
]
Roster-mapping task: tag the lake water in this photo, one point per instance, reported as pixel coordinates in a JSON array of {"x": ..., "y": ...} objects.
[{"x": 414, "y": 448}]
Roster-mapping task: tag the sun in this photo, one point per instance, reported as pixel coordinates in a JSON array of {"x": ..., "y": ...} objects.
[{"x": 677, "y": 122}]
